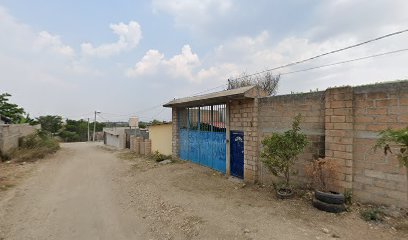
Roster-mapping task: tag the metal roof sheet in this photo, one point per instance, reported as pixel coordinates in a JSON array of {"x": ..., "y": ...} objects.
[{"x": 211, "y": 98}]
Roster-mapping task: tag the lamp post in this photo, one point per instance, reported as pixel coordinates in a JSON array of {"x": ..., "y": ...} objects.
[
  {"x": 88, "y": 131},
  {"x": 93, "y": 139}
]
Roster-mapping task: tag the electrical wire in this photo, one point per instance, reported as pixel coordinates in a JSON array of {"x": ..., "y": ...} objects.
[
  {"x": 346, "y": 61},
  {"x": 295, "y": 63},
  {"x": 325, "y": 54},
  {"x": 195, "y": 94}
]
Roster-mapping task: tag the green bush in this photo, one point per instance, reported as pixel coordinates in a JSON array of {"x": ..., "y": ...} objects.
[
  {"x": 35, "y": 146},
  {"x": 280, "y": 150},
  {"x": 160, "y": 157},
  {"x": 348, "y": 196},
  {"x": 372, "y": 214},
  {"x": 398, "y": 137}
]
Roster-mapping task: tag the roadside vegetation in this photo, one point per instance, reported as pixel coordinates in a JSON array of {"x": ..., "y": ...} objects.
[{"x": 35, "y": 146}]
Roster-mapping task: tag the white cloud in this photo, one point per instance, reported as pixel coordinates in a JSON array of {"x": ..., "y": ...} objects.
[
  {"x": 53, "y": 42},
  {"x": 182, "y": 65},
  {"x": 193, "y": 13},
  {"x": 148, "y": 65},
  {"x": 129, "y": 37},
  {"x": 179, "y": 66}
]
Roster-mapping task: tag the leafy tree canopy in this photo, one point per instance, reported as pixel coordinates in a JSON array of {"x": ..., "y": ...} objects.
[
  {"x": 77, "y": 130},
  {"x": 50, "y": 123},
  {"x": 397, "y": 137},
  {"x": 11, "y": 110}
]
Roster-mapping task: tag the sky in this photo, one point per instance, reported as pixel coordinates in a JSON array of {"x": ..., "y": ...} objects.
[{"x": 126, "y": 58}]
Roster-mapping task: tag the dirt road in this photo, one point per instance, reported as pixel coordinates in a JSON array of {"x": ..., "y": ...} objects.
[
  {"x": 86, "y": 192},
  {"x": 72, "y": 196}
]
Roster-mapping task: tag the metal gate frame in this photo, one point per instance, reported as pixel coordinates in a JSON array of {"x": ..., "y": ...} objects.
[{"x": 203, "y": 136}]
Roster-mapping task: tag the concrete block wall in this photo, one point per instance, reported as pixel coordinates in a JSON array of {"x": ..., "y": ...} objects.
[
  {"x": 341, "y": 123},
  {"x": 276, "y": 115},
  {"x": 11, "y": 133},
  {"x": 339, "y": 132},
  {"x": 244, "y": 117},
  {"x": 175, "y": 132},
  {"x": 377, "y": 177},
  {"x": 140, "y": 146},
  {"x": 347, "y": 121}
]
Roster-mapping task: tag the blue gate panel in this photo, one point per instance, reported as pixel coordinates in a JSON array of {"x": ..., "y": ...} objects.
[
  {"x": 194, "y": 144},
  {"x": 205, "y": 148},
  {"x": 183, "y": 144}
]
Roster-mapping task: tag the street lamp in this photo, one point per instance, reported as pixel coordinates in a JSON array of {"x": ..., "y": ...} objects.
[{"x": 96, "y": 112}]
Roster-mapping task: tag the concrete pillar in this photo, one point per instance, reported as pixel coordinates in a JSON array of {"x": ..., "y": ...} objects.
[
  {"x": 175, "y": 137},
  {"x": 132, "y": 143},
  {"x": 339, "y": 132},
  {"x": 147, "y": 146},
  {"x": 137, "y": 145}
]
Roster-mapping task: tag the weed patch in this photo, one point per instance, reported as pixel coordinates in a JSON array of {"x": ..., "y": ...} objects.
[
  {"x": 158, "y": 157},
  {"x": 372, "y": 214},
  {"x": 35, "y": 146}
]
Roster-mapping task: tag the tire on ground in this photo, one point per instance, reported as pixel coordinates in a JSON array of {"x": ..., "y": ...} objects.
[
  {"x": 328, "y": 207},
  {"x": 332, "y": 198}
]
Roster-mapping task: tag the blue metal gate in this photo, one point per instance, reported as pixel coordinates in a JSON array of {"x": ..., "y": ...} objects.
[
  {"x": 202, "y": 136},
  {"x": 237, "y": 154}
]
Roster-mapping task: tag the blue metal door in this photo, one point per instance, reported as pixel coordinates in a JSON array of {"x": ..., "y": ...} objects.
[
  {"x": 237, "y": 154},
  {"x": 202, "y": 136},
  {"x": 205, "y": 148}
]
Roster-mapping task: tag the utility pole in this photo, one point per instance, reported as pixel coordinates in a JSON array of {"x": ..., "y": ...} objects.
[
  {"x": 88, "y": 130},
  {"x": 93, "y": 139}
]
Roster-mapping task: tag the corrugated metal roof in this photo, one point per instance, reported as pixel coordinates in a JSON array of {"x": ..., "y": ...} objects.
[{"x": 213, "y": 98}]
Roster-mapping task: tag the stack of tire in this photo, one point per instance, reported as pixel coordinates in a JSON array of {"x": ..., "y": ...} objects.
[{"x": 329, "y": 201}]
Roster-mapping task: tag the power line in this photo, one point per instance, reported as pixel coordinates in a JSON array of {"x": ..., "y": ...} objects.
[
  {"x": 327, "y": 53},
  {"x": 347, "y": 61},
  {"x": 158, "y": 114},
  {"x": 160, "y": 105},
  {"x": 286, "y": 73},
  {"x": 195, "y": 94}
]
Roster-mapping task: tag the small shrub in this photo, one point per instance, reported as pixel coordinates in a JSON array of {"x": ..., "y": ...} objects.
[
  {"x": 348, "y": 196},
  {"x": 280, "y": 150},
  {"x": 372, "y": 214},
  {"x": 322, "y": 173},
  {"x": 35, "y": 146},
  {"x": 160, "y": 157}
]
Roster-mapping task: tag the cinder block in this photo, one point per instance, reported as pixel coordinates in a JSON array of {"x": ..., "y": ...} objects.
[{"x": 374, "y": 174}]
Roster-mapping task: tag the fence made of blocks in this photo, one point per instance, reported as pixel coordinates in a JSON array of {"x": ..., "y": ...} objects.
[
  {"x": 342, "y": 124},
  {"x": 345, "y": 123},
  {"x": 140, "y": 146}
]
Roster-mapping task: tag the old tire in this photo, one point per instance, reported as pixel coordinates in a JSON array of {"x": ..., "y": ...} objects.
[
  {"x": 328, "y": 207},
  {"x": 330, "y": 197},
  {"x": 284, "y": 193}
]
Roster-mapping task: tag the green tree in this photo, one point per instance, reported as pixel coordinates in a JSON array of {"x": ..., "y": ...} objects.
[
  {"x": 155, "y": 122},
  {"x": 10, "y": 110},
  {"x": 143, "y": 124},
  {"x": 397, "y": 137},
  {"x": 266, "y": 81},
  {"x": 280, "y": 150},
  {"x": 50, "y": 123},
  {"x": 77, "y": 130}
]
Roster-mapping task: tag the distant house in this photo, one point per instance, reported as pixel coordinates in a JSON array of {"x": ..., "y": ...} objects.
[
  {"x": 119, "y": 137},
  {"x": 161, "y": 138},
  {"x": 115, "y": 137}
]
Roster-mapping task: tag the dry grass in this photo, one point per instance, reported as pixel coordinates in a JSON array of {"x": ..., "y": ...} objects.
[{"x": 35, "y": 146}]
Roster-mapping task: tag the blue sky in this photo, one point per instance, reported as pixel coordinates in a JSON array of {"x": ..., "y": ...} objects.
[{"x": 72, "y": 57}]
